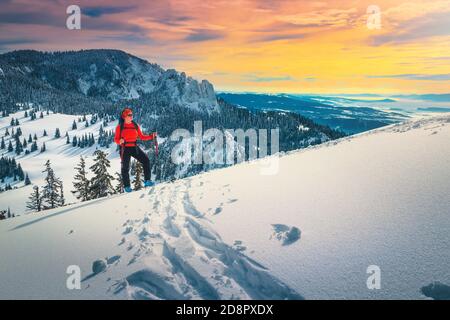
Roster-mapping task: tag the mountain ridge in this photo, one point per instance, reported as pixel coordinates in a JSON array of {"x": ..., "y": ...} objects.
[{"x": 110, "y": 74}]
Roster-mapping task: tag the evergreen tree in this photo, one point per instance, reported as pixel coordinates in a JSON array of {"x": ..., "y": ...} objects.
[
  {"x": 67, "y": 138},
  {"x": 45, "y": 133},
  {"x": 137, "y": 182},
  {"x": 30, "y": 139},
  {"x": 19, "y": 147},
  {"x": 86, "y": 124},
  {"x": 57, "y": 133},
  {"x": 119, "y": 186},
  {"x": 101, "y": 182},
  {"x": 17, "y": 122},
  {"x": 2, "y": 144},
  {"x": 74, "y": 141},
  {"x": 35, "y": 137},
  {"x": 6, "y": 132},
  {"x": 35, "y": 200},
  {"x": 26, "y": 114},
  {"x": 41, "y": 115},
  {"x": 74, "y": 125},
  {"x": 81, "y": 182},
  {"x": 51, "y": 195},
  {"x": 20, "y": 172},
  {"x": 27, "y": 180},
  {"x": 12, "y": 123},
  {"x": 10, "y": 147},
  {"x": 24, "y": 143},
  {"x": 62, "y": 200},
  {"x": 43, "y": 148},
  {"x": 34, "y": 146}
]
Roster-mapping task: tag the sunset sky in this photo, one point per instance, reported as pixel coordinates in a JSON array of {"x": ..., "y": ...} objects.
[{"x": 256, "y": 45}]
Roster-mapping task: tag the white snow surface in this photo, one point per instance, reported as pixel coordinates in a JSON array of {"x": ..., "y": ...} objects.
[
  {"x": 308, "y": 231},
  {"x": 63, "y": 157}
]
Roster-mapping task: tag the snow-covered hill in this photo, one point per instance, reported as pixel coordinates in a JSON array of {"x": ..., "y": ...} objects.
[
  {"x": 63, "y": 156},
  {"x": 311, "y": 230}
]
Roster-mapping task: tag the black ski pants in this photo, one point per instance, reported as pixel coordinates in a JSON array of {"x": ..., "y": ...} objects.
[{"x": 139, "y": 155}]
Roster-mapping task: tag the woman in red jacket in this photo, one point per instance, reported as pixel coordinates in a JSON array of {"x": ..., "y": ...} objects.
[{"x": 127, "y": 133}]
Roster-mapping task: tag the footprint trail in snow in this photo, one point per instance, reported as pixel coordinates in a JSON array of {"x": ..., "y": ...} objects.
[{"x": 178, "y": 255}]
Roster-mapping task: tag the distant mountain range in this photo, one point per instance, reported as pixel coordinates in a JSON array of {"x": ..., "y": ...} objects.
[{"x": 338, "y": 113}]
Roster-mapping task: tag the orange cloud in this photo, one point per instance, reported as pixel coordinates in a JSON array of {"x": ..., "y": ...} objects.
[{"x": 286, "y": 45}]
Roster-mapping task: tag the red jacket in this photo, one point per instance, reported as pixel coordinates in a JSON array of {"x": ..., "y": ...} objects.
[{"x": 130, "y": 134}]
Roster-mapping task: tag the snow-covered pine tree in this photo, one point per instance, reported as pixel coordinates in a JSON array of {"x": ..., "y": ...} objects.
[
  {"x": 43, "y": 148},
  {"x": 67, "y": 138},
  {"x": 20, "y": 173},
  {"x": 137, "y": 182},
  {"x": 34, "y": 146},
  {"x": 34, "y": 203},
  {"x": 45, "y": 133},
  {"x": 19, "y": 147},
  {"x": 51, "y": 193},
  {"x": 81, "y": 182},
  {"x": 27, "y": 180},
  {"x": 74, "y": 125},
  {"x": 100, "y": 184},
  {"x": 2, "y": 145},
  {"x": 62, "y": 200},
  {"x": 57, "y": 133}
]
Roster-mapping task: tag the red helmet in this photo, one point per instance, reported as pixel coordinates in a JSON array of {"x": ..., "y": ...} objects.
[{"x": 125, "y": 112}]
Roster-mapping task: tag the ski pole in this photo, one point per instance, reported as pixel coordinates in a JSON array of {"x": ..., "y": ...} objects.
[{"x": 156, "y": 144}]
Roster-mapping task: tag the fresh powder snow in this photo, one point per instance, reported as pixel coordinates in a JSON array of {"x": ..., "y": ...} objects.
[{"x": 311, "y": 230}]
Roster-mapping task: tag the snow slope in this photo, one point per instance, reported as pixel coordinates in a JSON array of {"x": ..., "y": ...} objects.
[
  {"x": 309, "y": 231},
  {"x": 63, "y": 156}
]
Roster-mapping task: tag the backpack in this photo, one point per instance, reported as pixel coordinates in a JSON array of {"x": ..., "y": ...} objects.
[{"x": 122, "y": 123}]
